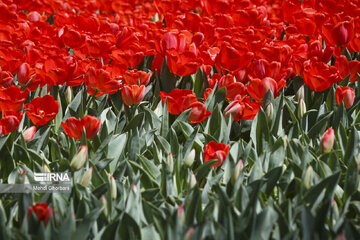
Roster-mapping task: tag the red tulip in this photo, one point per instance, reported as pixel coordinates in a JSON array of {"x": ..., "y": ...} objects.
[
  {"x": 242, "y": 108},
  {"x": 319, "y": 76},
  {"x": 214, "y": 150},
  {"x": 74, "y": 127},
  {"x": 99, "y": 81},
  {"x": 198, "y": 112},
  {"x": 6, "y": 79},
  {"x": 258, "y": 88},
  {"x": 339, "y": 34},
  {"x": 177, "y": 98},
  {"x": 346, "y": 95},
  {"x": 71, "y": 38},
  {"x": 42, "y": 212},
  {"x": 10, "y": 121},
  {"x": 133, "y": 94},
  {"x": 327, "y": 141},
  {"x": 41, "y": 110},
  {"x": 233, "y": 59},
  {"x": 12, "y": 98},
  {"x": 346, "y": 67},
  {"x": 183, "y": 64},
  {"x": 135, "y": 77}
]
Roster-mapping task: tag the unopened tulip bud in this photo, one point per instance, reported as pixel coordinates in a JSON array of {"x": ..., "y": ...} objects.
[
  {"x": 69, "y": 95},
  {"x": 86, "y": 178},
  {"x": 308, "y": 178},
  {"x": 358, "y": 161},
  {"x": 170, "y": 162},
  {"x": 189, "y": 233},
  {"x": 284, "y": 167},
  {"x": 269, "y": 111},
  {"x": 104, "y": 205},
  {"x": 134, "y": 189},
  {"x": 29, "y": 133},
  {"x": 300, "y": 94},
  {"x": 79, "y": 159},
  {"x": 46, "y": 168},
  {"x": 285, "y": 140},
  {"x": 181, "y": 215},
  {"x": 302, "y": 108},
  {"x": 190, "y": 158},
  {"x": 113, "y": 187},
  {"x": 328, "y": 140},
  {"x": 239, "y": 166},
  {"x": 192, "y": 180}
]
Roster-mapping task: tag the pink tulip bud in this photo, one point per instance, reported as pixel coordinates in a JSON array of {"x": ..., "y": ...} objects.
[
  {"x": 29, "y": 133},
  {"x": 181, "y": 215},
  {"x": 328, "y": 140}
]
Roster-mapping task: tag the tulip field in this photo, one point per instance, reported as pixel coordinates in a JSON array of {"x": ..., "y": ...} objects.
[{"x": 179, "y": 119}]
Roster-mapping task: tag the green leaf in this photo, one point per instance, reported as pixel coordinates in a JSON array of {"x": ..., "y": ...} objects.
[
  {"x": 83, "y": 230},
  {"x": 320, "y": 126},
  {"x": 352, "y": 147}
]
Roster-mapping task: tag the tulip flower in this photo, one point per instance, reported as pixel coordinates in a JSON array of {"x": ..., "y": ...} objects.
[
  {"x": 190, "y": 158},
  {"x": 301, "y": 108},
  {"x": 327, "y": 141},
  {"x": 42, "y": 212},
  {"x": 319, "y": 76},
  {"x": 177, "y": 98},
  {"x": 104, "y": 205},
  {"x": 113, "y": 187},
  {"x": 74, "y": 127},
  {"x": 135, "y": 77},
  {"x": 198, "y": 112},
  {"x": 29, "y": 133},
  {"x": 41, "y": 110},
  {"x": 233, "y": 59},
  {"x": 86, "y": 178},
  {"x": 339, "y": 34},
  {"x": 100, "y": 82},
  {"x": 79, "y": 159},
  {"x": 6, "y": 79},
  {"x": 258, "y": 88},
  {"x": 10, "y": 121},
  {"x": 214, "y": 150},
  {"x": 345, "y": 95},
  {"x": 242, "y": 108},
  {"x": 12, "y": 98},
  {"x": 133, "y": 94}
]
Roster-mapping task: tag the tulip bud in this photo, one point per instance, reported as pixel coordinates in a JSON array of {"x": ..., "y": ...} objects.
[
  {"x": 328, "y": 140},
  {"x": 29, "y": 134},
  {"x": 189, "y": 233},
  {"x": 309, "y": 176},
  {"x": 134, "y": 189},
  {"x": 113, "y": 187},
  {"x": 86, "y": 178},
  {"x": 239, "y": 166},
  {"x": 46, "y": 168},
  {"x": 104, "y": 205},
  {"x": 69, "y": 95},
  {"x": 170, "y": 162},
  {"x": 79, "y": 159},
  {"x": 269, "y": 111},
  {"x": 190, "y": 158},
  {"x": 300, "y": 94},
  {"x": 285, "y": 140},
  {"x": 301, "y": 108},
  {"x": 192, "y": 180},
  {"x": 181, "y": 215}
]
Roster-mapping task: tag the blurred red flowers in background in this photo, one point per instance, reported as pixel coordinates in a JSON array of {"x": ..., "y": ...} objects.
[
  {"x": 214, "y": 150},
  {"x": 74, "y": 127},
  {"x": 41, "y": 110},
  {"x": 41, "y": 211}
]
